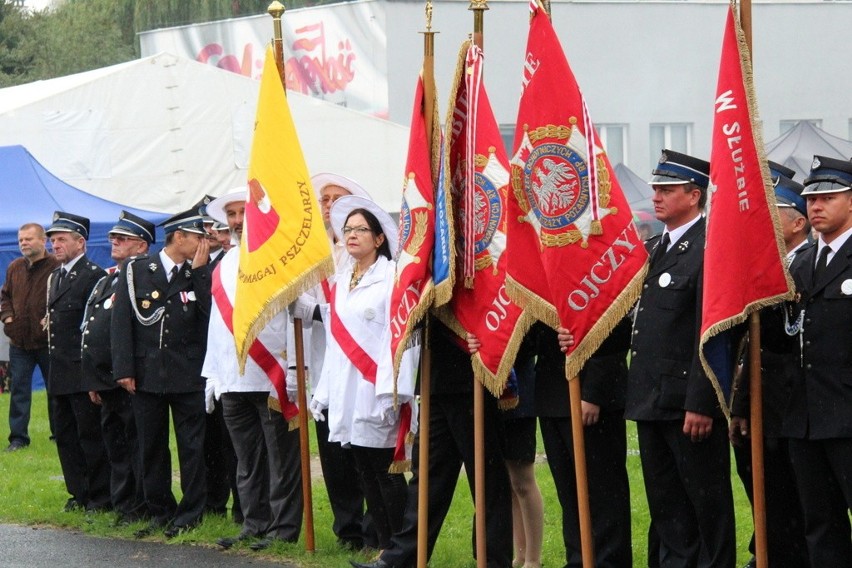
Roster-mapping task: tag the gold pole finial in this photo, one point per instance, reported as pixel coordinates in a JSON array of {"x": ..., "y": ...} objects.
[
  {"x": 428, "y": 15},
  {"x": 478, "y": 5},
  {"x": 276, "y": 10}
]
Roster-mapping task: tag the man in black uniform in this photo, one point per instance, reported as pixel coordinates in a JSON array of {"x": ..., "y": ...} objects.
[
  {"x": 683, "y": 437},
  {"x": 818, "y": 419},
  {"x": 779, "y": 366},
  {"x": 130, "y": 237},
  {"x": 450, "y": 446},
  {"x": 159, "y": 329},
  {"x": 76, "y": 419},
  {"x": 603, "y": 382}
]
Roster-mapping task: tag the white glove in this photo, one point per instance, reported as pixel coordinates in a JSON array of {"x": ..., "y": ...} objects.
[
  {"x": 209, "y": 394},
  {"x": 316, "y": 408},
  {"x": 292, "y": 386},
  {"x": 389, "y": 414},
  {"x": 302, "y": 309}
]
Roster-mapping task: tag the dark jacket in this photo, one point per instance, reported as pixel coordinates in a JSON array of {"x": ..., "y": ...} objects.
[
  {"x": 96, "y": 349},
  {"x": 666, "y": 378},
  {"x": 24, "y": 297},
  {"x": 820, "y": 404},
  {"x": 66, "y": 304},
  {"x": 167, "y": 355}
]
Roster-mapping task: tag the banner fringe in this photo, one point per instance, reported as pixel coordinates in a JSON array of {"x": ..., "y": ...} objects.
[
  {"x": 274, "y": 404},
  {"x": 619, "y": 308},
  {"x": 279, "y": 301},
  {"x": 532, "y": 303},
  {"x": 403, "y": 466},
  {"x": 417, "y": 314}
]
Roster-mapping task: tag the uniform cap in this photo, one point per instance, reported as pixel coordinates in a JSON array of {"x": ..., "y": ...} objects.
[
  {"x": 69, "y": 223},
  {"x": 675, "y": 168},
  {"x": 828, "y": 175},
  {"x": 189, "y": 221},
  {"x": 133, "y": 226}
]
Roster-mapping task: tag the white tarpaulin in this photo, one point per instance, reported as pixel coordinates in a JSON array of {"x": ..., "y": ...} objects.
[{"x": 158, "y": 133}]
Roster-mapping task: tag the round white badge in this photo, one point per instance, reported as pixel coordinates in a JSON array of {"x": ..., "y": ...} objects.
[
  {"x": 846, "y": 287},
  {"x": 665, "y": 279},
  {"x": 369, "y": 314}
]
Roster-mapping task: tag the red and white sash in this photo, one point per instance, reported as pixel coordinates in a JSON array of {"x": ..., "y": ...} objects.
[{"x": 363, "y": 361}]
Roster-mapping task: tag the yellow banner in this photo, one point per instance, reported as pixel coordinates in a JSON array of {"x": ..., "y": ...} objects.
[{"x": 284, "y": 248}]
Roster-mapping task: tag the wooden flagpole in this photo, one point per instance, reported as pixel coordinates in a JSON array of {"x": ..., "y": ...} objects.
[
  {"x": 276, "y": 10},
  {"x": 426, "y": 350},
  {"x": 478, "y": 8},
  {"x": 756, "y": 383}
]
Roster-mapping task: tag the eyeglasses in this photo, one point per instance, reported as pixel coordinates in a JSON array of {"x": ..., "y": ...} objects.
[
  {"x": 122, "y": 238},
  {"x": 357, "y": 230}
]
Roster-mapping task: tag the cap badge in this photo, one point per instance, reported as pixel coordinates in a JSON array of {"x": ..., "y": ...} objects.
[{"x": 816, "y": 163}]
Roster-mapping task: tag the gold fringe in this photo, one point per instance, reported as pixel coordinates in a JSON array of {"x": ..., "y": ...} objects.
[
  {"x": 293, "y": 423},
  {"x": 274, "y": 404},
  {"x": 403, "y": 466},
  {"x": 576, "y": 360},
  {"x": 537, "y": 306},
  {"x": 279, "y": 301},
  {"x": 496, "y": 382},
  {"x": 419, "y": 311},
  {"x": 769, "y": 192},
  {"x": 508, "y": 404},
  {"x": 409, "y": 438}
]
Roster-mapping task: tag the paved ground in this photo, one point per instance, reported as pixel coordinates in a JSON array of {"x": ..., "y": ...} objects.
[{"x": 29, "y": 547}]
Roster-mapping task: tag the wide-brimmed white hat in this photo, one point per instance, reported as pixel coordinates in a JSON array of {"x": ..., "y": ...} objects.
[
  {"x": 322, "y": 180},
  {"x": 342, "y": 207},
  {"x": 216, "y": 208}
]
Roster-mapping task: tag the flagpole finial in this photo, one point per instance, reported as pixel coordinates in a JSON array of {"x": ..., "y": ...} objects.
[
  {"x": 276, "y": 10},
  {"x": 478, "y": 5},
  {"x": 428, "y": 16}
]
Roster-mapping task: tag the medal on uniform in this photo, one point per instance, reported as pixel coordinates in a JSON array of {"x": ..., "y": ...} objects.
[
  {"x": 846, "y": 287},
  {"x": 155, "y": 294},
  {"x": 665, "y": 279},
  {"x": 146, "y": 304},
  {"x": 184, "y": 297}
]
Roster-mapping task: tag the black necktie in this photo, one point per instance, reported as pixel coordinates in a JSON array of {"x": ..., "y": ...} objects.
[
  {"x": 173, "y": 272},
  {"x": 822, "y": 262},
  {"x": 660, "y": 251},
  {"x": 62, "y": 274}
]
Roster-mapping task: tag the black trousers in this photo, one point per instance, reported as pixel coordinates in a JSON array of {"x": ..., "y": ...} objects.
[
  {"x": 152, "y": 423},
  {"x": 824, "y": 478},
  {"x": 785, "y": 525},
  {"x": 122, "y": 447},
  {"x": 609, "y": 489},
  {"x": 269, "y": 472},
  {"x": 385, "y": 492},
  {"x": 352, "y": 526},
  {"x": 450, "y": 446},
  {"x": 221, "y": 463},
  {"x": 80, "y": 445},
  {"x": 688, "y": 486}
]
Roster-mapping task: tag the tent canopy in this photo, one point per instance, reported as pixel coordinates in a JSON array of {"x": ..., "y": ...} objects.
[
  {"x": 160, "y": 132},
  {"x": 797, "y": 147},
  {"x": 29, "y": 193}
]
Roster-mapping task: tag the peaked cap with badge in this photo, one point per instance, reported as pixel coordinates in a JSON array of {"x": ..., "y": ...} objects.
[
  {"x": 190, "y": 221},
  {"x": 69, "y": 223},
  {"x": 788, "y": 192},
  {"x": 131, "y": 225},
  {"x": 675, "y": 168},
  {"x": 828, "y": 175}
]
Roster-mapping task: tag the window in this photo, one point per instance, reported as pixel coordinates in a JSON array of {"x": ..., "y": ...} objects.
[
  {"x": 675, "y": 136},
  {"x": 614, "y": 140},
  {"x": 788, "y": 125}
]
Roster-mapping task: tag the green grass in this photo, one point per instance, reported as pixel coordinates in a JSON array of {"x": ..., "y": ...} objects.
[{"x": 33, "y": 493}]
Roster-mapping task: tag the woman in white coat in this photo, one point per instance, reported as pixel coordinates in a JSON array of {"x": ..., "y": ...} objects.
[{"x": 353, "y": 384}]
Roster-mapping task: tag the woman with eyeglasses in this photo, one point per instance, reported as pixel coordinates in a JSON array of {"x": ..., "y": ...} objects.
[{"x": 355, "y": 373}]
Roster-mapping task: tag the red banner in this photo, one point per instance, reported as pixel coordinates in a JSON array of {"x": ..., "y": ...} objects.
[
  {"x": 413, "y": 288},
  {"x": 591, "y": 253},
  {"x": 478, "y": 176},
  {"x": 743, "y": 256}
]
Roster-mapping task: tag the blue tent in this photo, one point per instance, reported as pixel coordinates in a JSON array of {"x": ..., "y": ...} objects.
[{"x": 30, "y": 193}]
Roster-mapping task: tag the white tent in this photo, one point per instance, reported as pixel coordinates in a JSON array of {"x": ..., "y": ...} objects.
[{"x": 158, "y": 133}]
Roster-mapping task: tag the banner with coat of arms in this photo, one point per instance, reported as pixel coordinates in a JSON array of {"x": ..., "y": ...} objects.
[
  {"x": 477, "y": 177},
  {"x": 413, "y": 289},
  {"x": 593, "y": 258}
]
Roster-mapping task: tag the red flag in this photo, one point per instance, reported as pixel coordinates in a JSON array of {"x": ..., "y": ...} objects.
[
  {"x": 743, "y": 256},
  {"x": 592, "y": 255},
  {"x": 478, "y": 176},
  {"x": 413, "y": 287}
]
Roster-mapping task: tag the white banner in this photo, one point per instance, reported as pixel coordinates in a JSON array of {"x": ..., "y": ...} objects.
[{"x": 335, "y": 53}]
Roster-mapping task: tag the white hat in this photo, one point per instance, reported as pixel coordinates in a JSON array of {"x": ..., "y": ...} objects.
[
  {"x": 216, "y": 208},
  {"x": 342, "y": 207},
  {"x": 320, "y": 181}
]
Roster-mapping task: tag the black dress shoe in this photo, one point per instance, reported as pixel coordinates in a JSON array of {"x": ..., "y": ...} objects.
[
  {"x": 148, "y": 529},
  {"x": 72, "y": 505},
  {"x": 374, "y": 564},
  {"x": 229, "y": 541},
  {"x": 176, "y": 530},
  {"x": 268, "y": 541},
  {"x": 15, "y": 445}
]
